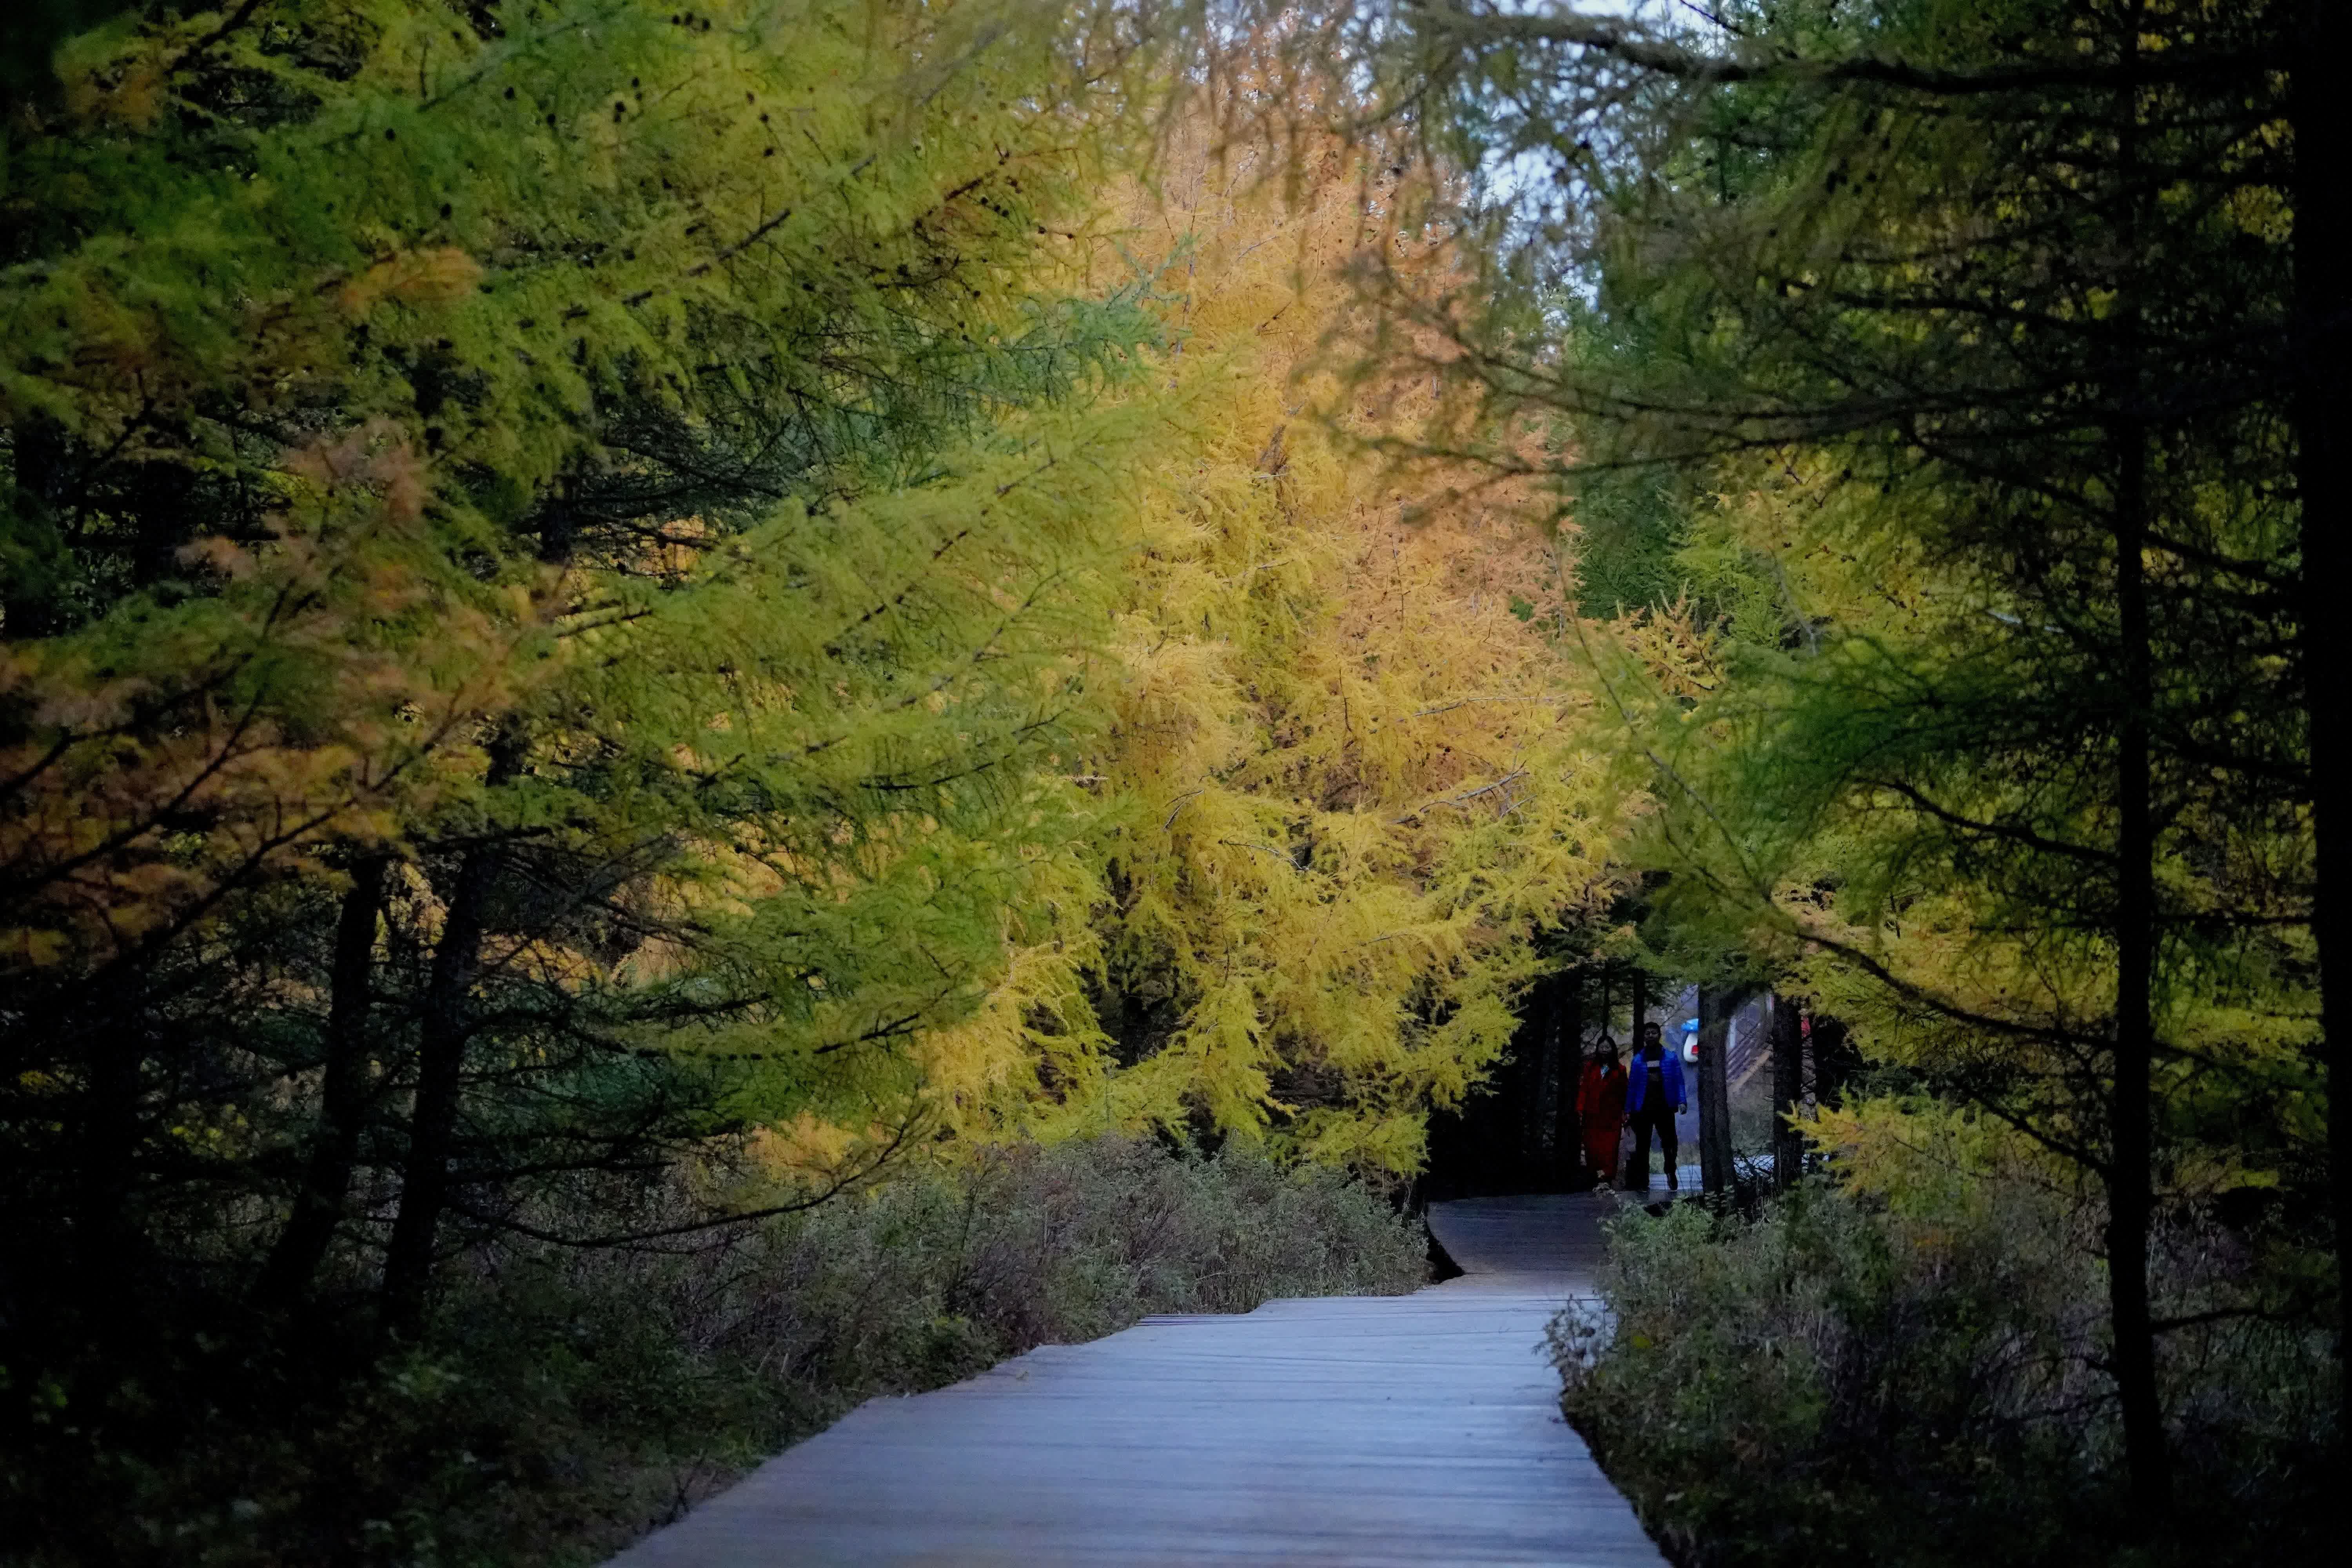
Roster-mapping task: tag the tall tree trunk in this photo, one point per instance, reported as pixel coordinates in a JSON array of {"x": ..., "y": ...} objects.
[
  {"x": 1567, "y": 1125},
  {"x": 108, "y": 1248},
  {"x": 1539, "y": 1113},
  {"x": 2130, "y": 1196},
  {"x": 342, "y": 1096},
  {"x": 1715, "y": 1010},
  {"x": 445, "y": 1025},
  {"x": 1710, "y": 1051},
  {"x": 1523, "y": 1112},
  {"x": 1788, "y": 1043},
  {"x": 2130, "y": 1192},
  {"x": 1834, "y": 1061},
  {"x": 2320, "y": 342}
]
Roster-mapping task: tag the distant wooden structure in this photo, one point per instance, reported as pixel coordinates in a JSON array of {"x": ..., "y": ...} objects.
[{"x": 1365, "y": 1431}]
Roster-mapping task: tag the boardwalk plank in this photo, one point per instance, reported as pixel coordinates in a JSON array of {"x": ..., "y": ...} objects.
[{"x": 1365, "y": 1431}]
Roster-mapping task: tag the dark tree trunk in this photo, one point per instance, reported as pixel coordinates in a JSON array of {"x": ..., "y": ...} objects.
[
  {"x": 1835, "y": 1061},
  {"x": 2321, "y": 347},
  {"x": 1715, "y": 1009},
  {"x": 1547, "y": 1089},
  {"x": 2130, "y": 1199},
  {"x": 106, "y": 1245},
  {"x": 1524, "y": 1114},
  {"x": 1568, "y": 1126},
  {"x": 444, "y": 1027},
  {"x": 1787, "y": 1041},
  {"x": 2130, "y": 1194},
  {"x": 342, "y": 1096}
]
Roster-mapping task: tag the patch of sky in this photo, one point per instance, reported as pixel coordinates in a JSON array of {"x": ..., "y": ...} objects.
[{"x": 1551, "y": 137}]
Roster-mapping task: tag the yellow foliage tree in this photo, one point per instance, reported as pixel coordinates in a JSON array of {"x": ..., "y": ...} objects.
[{"x": 1352, "y": 765}]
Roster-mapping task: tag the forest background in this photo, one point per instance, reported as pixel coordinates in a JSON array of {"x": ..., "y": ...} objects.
[
  {"x": 687, "y": 696},
  {"x": 644, "y": 646}
]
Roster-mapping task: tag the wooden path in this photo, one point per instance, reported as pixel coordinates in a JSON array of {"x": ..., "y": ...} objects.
[{"x": 1365, "y": 1430}]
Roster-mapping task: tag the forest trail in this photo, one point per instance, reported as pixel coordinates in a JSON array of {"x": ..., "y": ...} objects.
[{"x": 1357, "y": 1430}]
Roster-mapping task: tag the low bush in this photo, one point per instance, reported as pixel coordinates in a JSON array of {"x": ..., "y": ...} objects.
[
  {"x": 563, "y": 1403},
  {"x": 1845, "y": 1380}
]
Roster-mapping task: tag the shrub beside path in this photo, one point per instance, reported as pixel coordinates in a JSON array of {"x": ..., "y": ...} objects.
[{"x": 1358, "y": 1430}]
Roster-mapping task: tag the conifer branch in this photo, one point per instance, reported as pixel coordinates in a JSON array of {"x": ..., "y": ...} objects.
[
  {"x": 1480, "y": 30},
  {"x": 1462, "y": 801},
  {"x": 229, "y": 24},
  {"x": 632, "y": 1239},
  {"x": 1170, "y": 820}
]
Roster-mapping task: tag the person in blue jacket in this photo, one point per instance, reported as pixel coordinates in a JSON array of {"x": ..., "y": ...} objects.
[{"x": 1653, "y": 1098}]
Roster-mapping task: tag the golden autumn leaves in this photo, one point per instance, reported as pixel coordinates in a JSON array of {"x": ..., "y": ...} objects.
[
  {"x": 1349, "y": 757},
  {"x": 1080, "y": 735},
  {"x": 160, "y": 762}
]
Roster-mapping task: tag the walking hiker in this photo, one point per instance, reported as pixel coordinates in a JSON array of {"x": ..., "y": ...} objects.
[
  {"x": 1653, "y": 1098},
  {"x": 1601, "y": 1098}
]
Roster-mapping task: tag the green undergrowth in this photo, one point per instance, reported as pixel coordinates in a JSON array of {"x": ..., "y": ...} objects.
[
  {"x": 563, "y": 1403},
  {"x": 1832, "y": 1382}
]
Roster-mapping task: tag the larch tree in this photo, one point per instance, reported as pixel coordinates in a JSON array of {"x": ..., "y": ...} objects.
[
  {"x": 546, "y": 551},
  {"x": 1353, "y": 769},
  {"x": 1959, "y": 335}
]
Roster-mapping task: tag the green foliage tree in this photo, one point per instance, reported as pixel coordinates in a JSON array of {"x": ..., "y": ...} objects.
[
  {"x": 1995, "y": 691},
  {"x": 547, "y": 552}
]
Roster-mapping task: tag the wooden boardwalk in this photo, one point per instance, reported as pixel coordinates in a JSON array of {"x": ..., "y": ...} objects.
[{"x": 1364, "y": 1430}]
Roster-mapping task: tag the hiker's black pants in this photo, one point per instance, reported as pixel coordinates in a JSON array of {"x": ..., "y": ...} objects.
[{"x": 1655, "y": 1115}]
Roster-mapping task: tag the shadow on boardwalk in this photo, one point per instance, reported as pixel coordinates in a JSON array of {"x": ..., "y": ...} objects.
[{"x": 1360, "y": 1430}]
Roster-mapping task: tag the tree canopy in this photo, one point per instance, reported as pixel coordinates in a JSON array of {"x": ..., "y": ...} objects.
[
  {"x": 619, "y": 621},
  {"x": 1931, "y": 382}
]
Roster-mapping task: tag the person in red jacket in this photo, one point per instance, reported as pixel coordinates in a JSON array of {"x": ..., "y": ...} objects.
[{"x": 1600, "y": 1104}]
